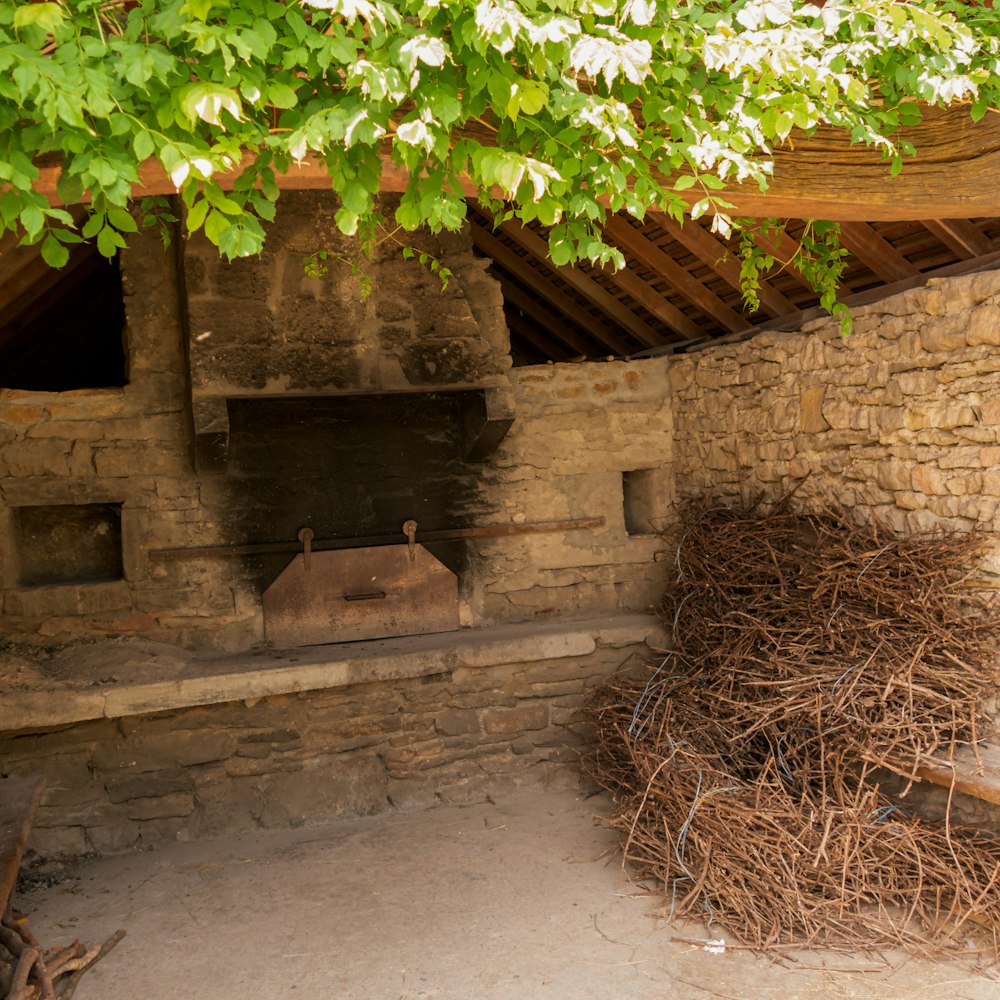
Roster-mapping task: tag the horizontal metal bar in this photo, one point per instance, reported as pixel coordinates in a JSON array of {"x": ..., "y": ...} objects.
[{"x": 326, "y": 544}]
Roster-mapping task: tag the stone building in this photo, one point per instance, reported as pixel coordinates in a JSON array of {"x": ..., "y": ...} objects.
[{"x": 296, "y": 551}]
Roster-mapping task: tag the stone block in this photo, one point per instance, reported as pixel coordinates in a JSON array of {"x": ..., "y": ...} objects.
[
  {"x": 893, "y": 475},
  {"x": 351, "y": 786},
  {"x": 991, "y": 484},
  {"x": 908, "y": 500},
  {"x": 166, "y": 807},
  {"x": 984, "y": 326},
  {"x": 943, "y": 335},
  {"x": 456, "y": 722},
  {"x": 114, "y": 838},
  {"x": 411, "y": 795},
  {"x": 523, "y": 718},
  {"x": 58, "y": 842},
  {"x": 942, "y": 416},
  {"x": 917, "y": 383},
  {"x": 226, "y": 807},
  {"x": 147, "y": 784},
  {"x": 927, "y": 479}
]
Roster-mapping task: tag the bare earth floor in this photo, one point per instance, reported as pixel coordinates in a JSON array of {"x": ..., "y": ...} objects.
[{"x": 519, "y": 899}]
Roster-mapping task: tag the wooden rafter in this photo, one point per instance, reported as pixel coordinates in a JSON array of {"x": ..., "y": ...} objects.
[
  {"x": 31, "y": 289},
  {"x": 544, "y": 318},
  {"x": 531, "y": 277},
  {"x": 634, "y": 243},
  {"x": 648, "y": 297},
  {"x": 718, "y": 257},
  {"x": 615, "y": 311},
  {"x": 873, "y": 251},
  {"x": 961, "y": 236},
  {"x": 525, "y": 330}
]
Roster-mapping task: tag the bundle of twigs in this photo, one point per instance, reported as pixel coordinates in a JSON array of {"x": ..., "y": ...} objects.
[
  {"x": 30, "y": 972},
  {"x": 809, "y": 649}
]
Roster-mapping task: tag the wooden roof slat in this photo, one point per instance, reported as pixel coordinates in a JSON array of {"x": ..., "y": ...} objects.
[
  {"x": 964, "y": 237},
  {"x": 649, "y": 298},
  {"x": 585, "y": 285},
  {"x": 717, "y": 256},
  {"x": 633, "y": 242},
  {"x": 537, "y": 282},
  {"x": 876, "y": 253},
  {"x": 524, "y": 329},
  {"x": 544, "y": 318}
]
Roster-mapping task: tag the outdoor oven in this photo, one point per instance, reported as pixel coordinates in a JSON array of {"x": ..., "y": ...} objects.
[{"x": 340, "y": 433}]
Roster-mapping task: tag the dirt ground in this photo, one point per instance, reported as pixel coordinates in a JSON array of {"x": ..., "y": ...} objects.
[{"x": 514, "y": 900}]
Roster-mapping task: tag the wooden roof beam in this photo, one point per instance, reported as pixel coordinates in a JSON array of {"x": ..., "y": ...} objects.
[
  {"x": 532, "y": 278},
  {"x": 718, "y": 257},
  {"x": 875, "y": 253},
  {"x": 961, "y": 236},
  {"x": 820, "y": 176},
  {"x": 634, "y": 243},
  {"x": 585, "y": 285},
  {"x": 516, "y": 298}
]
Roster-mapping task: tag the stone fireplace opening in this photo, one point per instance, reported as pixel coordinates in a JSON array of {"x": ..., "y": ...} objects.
[{"x": 353, "y": 470}]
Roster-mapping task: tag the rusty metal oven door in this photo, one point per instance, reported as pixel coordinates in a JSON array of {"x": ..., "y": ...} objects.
[{"x": 366, "y": 593}]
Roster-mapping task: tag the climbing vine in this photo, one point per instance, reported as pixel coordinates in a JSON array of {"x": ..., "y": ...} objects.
[{"x": 558, "y": 111}]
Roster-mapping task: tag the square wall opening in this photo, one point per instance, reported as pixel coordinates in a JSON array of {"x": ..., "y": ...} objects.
[
  {"x": 68, "y": 543},
  {"x": 644, "y": 500}
]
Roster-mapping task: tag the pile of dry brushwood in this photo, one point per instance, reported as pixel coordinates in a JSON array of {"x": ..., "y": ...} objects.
[
  {"x": 29, "y": 972},
  {"x": 809, "y": 651}
]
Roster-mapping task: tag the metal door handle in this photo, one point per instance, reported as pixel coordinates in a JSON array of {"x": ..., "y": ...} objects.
[{"x": 375, "y": 595}]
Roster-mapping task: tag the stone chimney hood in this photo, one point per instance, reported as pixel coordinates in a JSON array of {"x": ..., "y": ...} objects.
[{"x": 269, "y": 327}]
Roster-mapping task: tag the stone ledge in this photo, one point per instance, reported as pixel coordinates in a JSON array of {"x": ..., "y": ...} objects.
[{"x": 184, "y": 680}]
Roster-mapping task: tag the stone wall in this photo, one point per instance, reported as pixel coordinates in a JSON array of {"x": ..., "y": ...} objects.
[
  {"x": 581, "y": 430},
  {"x": 479, "y": 719},
  {"x": 133, "y": 450},
  {"x": 901, "y": 418}
]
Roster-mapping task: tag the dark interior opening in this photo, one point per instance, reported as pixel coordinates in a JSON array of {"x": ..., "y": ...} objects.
[
  {"x": 348, "y": 467},
  {"x": 68, "y": 543},
  {"x": 64, "y": 329}
]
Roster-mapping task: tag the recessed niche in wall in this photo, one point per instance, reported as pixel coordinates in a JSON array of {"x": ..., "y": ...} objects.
[
  {"x": 68, "y": 543},
  {"x": 61, "y": 329},
  {"x": 643, "y": 501}
]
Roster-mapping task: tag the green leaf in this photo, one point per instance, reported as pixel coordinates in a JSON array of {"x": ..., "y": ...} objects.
[
  {"x": 122, "y": 220},
  {"x": 142, "y": 146},
  {"x": 281, "y": 95},
  {"x": 32, "y": 220},
  {"x": 47, "y": 16},
  {"x": 196, "y": 215},
  {"x": 684, "y": 182},
  {"x": 109, "y": 242},
  {"x": 53, "y": 252}
]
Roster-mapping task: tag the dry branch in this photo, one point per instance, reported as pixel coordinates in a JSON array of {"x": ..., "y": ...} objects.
[{"x": 808, "y": 650}]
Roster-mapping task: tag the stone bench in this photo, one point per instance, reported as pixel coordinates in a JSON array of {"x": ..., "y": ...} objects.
[{"x": 964, "y": 772}]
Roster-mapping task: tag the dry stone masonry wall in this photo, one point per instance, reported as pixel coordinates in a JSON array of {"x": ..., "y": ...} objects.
[{"x": 901, "y": 418}]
